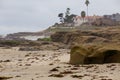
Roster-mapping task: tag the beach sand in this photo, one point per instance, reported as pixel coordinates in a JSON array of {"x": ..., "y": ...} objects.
[{"x": 51, "y": 65}]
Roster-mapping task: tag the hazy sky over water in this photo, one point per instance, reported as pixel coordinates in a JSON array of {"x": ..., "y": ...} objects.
[{"x": 36, "y": 15}]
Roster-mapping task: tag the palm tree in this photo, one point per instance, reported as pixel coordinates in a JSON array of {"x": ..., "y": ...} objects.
[
  {"x": 67, "y": 12},
  {"x": 60, "y": 15},
  {"x": 83, "y": 14},
  {"x": 87, "y": 3}
]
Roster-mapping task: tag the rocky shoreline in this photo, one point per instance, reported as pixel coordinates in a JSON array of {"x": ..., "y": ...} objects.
[{"x": 49, "y": 59}]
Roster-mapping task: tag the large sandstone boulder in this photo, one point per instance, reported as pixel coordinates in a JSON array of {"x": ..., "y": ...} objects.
[
  {"x": 94, "y": 55},
  {"x": 78, "y": 55}
]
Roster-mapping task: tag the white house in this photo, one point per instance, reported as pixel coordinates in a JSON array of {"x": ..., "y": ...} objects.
[{"x": 78, "y": 20}]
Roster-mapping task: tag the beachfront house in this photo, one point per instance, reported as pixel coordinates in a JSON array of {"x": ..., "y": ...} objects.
[{"x": 78, "y": 20}]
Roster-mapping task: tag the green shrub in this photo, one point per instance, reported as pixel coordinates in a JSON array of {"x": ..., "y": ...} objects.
[{"x": 10, "y": 43}]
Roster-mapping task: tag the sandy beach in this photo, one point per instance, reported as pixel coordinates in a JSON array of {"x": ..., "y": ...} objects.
[
  {"x": 51, "y": 65},
  {"x": 59, "y": 40}
]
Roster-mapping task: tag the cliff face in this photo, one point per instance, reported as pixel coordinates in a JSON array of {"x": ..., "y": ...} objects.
[
  {"x": 104, "y": 35},
  {"x": 19, "y": 34},
  {"x": 26, "y": 35}
]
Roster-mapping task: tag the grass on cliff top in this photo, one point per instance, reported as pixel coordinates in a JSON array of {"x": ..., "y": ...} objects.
[
  {"x": 62, "y": 29},
  {"x": 82, "y": 28},
  {"x": 72, "y": 29}
]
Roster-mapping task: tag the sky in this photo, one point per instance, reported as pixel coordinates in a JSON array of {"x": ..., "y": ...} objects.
[{"x": 37, "y": 15}]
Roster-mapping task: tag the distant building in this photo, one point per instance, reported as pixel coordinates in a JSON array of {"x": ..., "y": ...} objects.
[
  {"x": 104, "y": 22},
  {"x": 108, "y": 20},
  {"x": 114, "y": 17}
]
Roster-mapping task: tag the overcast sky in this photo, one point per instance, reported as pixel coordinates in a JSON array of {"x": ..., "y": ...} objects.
[{"x": 36, "y": 15}]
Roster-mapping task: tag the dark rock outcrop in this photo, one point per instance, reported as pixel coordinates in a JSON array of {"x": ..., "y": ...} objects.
[
  {"x": 42, "y": 46},
  {"x": 95, "y": 54}
]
